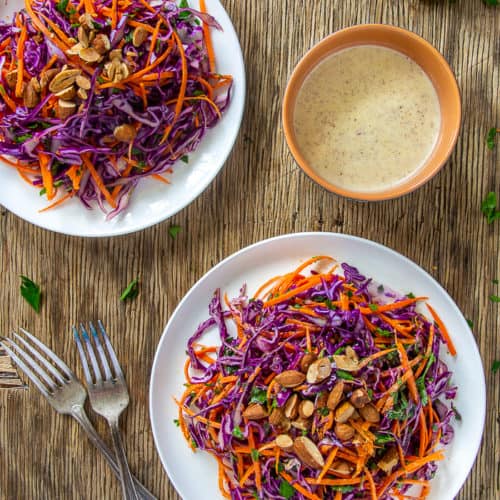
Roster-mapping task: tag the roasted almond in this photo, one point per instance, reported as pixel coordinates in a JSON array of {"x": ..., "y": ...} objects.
[
  {"x": 65, "y": 109},
  {"x": 346, "y": 363},
  {"x": 321, "y": 400},
  {"x": 290, "y": 378},
  {"x": 75, "y": 49},
  {"x": 344, "y": 431},
  {"x": 370, "y": 413},
  {"x": 335, "y": 395},
  {"x": 342, "y": 467},
  {"x": 115, "y": 54},
  {"x": 277, "y": 417},
  {"x": 82, "y": 94},
  {"x": 125, "y": 133},
  {"x": 255, "y": 411},
  {"x": 36, "y": 85},
  {"x": 389, "y": 460},
  {"x": 306, "y": 408},
  {"x": 139, "y": 36},
  {"x": 303, "y": 424},
  {"x": 90, "y": 55},
  {"x": 292, "y": 407},
  {"x": 67, "y": 93},
  {"x": 30, "y": 95},
  {"x": 63, "y": 80},
  {"x": 11, "y": 78},
  {"x": 87, "y": 21},
  {"x": 47, "y": 76},
  {"x": 359, "y": 398},
  {"x": 319, "y": 370},
  {"x": 306, "y": 361},
  {"x": 284, "y": 441},
  {"x": 308, "y": 453},
  {"x": 344, "y": 412},
  {"x": 101, "y": 44},
  {"x": 83, "y": 37},
  {"x": 83, "y": 82},
  {"x": 121, "y": 72}
]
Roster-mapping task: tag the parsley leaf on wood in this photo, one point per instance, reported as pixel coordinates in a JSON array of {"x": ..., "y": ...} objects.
[
  {"x": 131, "y": 291},
  {"x": 31, "y": 293},
  {"x": 489, "y": 207}
]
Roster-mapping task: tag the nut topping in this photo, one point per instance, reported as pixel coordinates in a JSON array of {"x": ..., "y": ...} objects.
[
  {"x": 335, "y": 395},
  {"x": 89, "y": 55},
  {"x": 306, "y": 361},
  {"x": 348, "y": 362},
  {"x": 83, "y": 37},
  {"x": 63, "y": 80},
  {"x": 139, "y": 36},
  {"x": 101, "y": 43},
  {"x": 87, "y": 21},
  {"x": 370, "y": 413},
  {"x": 67, "y": 93},
  {"x": 319, "y": 370},
  {"x": 342, "y": 467},
  {"x": 389, "y": 460},
  {"x": 82, "y": 94},
  {"x": 65, "y": 109},
  {"x": 11, "y": 78},
  {"x": 321, "y": 399},
  {"x": 359, "y": 398},
  {"x": 292, "y": 406},
  {"x": 36, "y": 85},
  {"x": 290, "y": 378},
  {"x": 308, "y": 453},
  {"x": 30, "y": 95},
  {"x": 83, "y": 82},
  {"x": 115, "y": 54},
  {"x": 344, "y": 432},
  {"x": 344, "y": 412},
  {"x": 302, "y": 424},
  {"x": 75, "y": 49},
  {"x": 284, "y": 441},
  {"x": 277, "y": 417},
  {"x": 125, "y": 133},
  {"x": 306, "y": 408},
  {"x": 121, "y": 72},
  {"x": 255, "y": 411},
  {"x": 46, "y": 77}
]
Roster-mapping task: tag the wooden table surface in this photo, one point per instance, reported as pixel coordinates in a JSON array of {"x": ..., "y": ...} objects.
[{"x": 259, "y": 194}]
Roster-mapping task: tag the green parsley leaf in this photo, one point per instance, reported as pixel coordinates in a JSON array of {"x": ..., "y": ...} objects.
[
  {"x": 237, "y": 433},
  {"x": 489, "y": 207},
  {"x": 185, "y": 158},
  {"x": 410, "y": 295},
  {"x": 495, "y": 282},
  {"x": 61, "y": 7},
  {"x": 173, "y": 231},
  {"x": 255, "y": 455},
  {"x": 323, "y": 411},
  {"x": 176, "y": 422},
  {"x": 383, "y": 333},
  {"x": 373, "y": 307},
  {"x": 422, "y": 390},
  {"x": 470, "y": 323},
  {"x": 344, "y": 375},
  {"x": 185, "y": 14},
  {"x": 329, "y": 304},
  {"x": 183, "y": 4},
  {"x": 492, "y": 3},
  {"x": 131, "y": 291},
  {"x": 343, "y": 489},
  {"x": 286, "y": 490},
  {"x": 198, "y": 93},
  {"x": 193, "y": 444},
  {"x": 492, "y": 132},
  {"x": 381, "y": 439},
  {"x": 494, "y": 298},
  {"x": 495, "y": 366},
  {"x": 22, "y": 138},
  {"x": 31, "y": 293},
  {"x": 258, "y": 395},
  {"x": 42, "y": 191}
]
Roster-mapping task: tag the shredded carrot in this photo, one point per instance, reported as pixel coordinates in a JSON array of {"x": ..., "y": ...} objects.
[
  {"x": 49, "y": 64},
  {"x": 20, "y": 61},
  {"x": 153, "y": 41},
  {"x": 328, "y": 463},
  {"x": 89, "y": 7},
  {"x": 443, "y": 330},
  {"x": 299, "y": 488},
  {"x": 412, "y": 386},
  {"x": 47, "y": 180},
  {"x": 98, "y": 180},
  {"x": 371, "y": 483},
  {"x": 62, "y": 36},
  {"x": 400, "y": 304},
  {"x": 75, "y": 174},
  {"x": 60, "y": 201},
  {"x": 7, "y": 99},
  {"x": 208, "y": 39},
  {"x": 114, "y": 14}
]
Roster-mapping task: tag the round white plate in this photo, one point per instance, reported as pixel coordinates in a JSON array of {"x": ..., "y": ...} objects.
[
  {"x": 254, "y": 265},
  {"x": 152, "y": 201}
]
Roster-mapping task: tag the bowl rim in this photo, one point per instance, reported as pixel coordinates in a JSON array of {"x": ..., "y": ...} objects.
[{"x": 402, "y": 188}]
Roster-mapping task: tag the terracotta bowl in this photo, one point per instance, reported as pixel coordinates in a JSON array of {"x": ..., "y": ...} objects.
[{"x": 426, "y": 56}]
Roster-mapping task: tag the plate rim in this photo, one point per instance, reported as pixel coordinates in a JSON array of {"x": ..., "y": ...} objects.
[
  {"x": 118, "y": 230},
  {"x": 154, "y": 367}
]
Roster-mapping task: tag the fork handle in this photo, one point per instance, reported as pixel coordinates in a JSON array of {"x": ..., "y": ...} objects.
[
  {"x": 129, "y": 492},
  {"x": 78, "y": 413}
]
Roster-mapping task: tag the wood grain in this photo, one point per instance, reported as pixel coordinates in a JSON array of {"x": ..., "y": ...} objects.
[{"x": 260, "y": 193}]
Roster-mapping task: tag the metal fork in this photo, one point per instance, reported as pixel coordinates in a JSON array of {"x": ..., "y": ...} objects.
[
  {"x": 109, "y": 394},
  {"x": 59, "y": 385}
]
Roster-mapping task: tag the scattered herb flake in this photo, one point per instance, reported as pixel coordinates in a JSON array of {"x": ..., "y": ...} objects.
[
  {"x": 255, "y": 455},
  {"x": 380, "y": 289},
  {"x": 173, "y": 231},
  {"x": 176, "y": 422},
  {"x": 381, "y": 439},
  {"x": 489, "y": 207},
  {"x": 61, "y": 7},
  {"x": 258, "y": 395},
  {"x": 237, "y": 433},
  {"x": 344, "y": 375},
  {"x": 494, "y": 298},
  {"x": 495, "y": 366},
  {"x": 286, "y": 490},
  {"x": 185, "y": 158},
  {"x": 131, "y": 291},
  {"x": 373, "y": 307},
  {"x": 31, "y": 293},
  {"x": 492, "y": 132},
  {"x": 323, "y": 411},
  {"x": 470, "y": 323},
  {"x": 495, "y": 282},
  {"x": 410, "y": 295},
  {"x": 383, "y": 333},
  {"x": 492, "y": 3}
]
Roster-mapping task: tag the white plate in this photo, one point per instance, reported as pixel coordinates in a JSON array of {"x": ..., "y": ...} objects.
[
  {"x": 194, "y": 475},
  {"x": 152, "y": 201}
]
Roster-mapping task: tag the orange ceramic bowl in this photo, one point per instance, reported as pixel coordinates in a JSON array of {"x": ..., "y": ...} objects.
[{"x": 426, "y": 56}]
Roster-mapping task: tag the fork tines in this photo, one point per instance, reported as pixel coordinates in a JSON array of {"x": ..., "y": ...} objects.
[
  {"x": 46, "y": 374},
  {"x": 97, "y": 341}
]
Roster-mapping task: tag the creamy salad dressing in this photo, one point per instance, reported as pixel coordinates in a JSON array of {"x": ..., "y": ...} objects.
[{"x": 366, "y": 118}]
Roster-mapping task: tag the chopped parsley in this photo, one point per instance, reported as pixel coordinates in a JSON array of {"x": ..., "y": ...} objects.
[
  {"x": 131, "y": 291},
  {"x": 258, "y": 395},
  {"x": 237, "y": 433},
  {"x": 255, "y": 455},
  {"x": 495, "y": 366},
  {"x": 470, "y": 323},
  {"x": 344, "y": 375},
  {"x": 173, "y": 231},
  {"x": 373, "y": 307},
  {"x": 381, "y": 439},
  {"x": 489, "y": 207},
  {"x": 286, "y": 490},
  {"x": 176, "y": 422},
  {"x": 410, "y": 295},
  {"x": 31, "y": 293},
  {"x": 492, "y": 132},
  {"x": 61, "y": 7},
  {"x": 384, "y": 333},
  {"x": 185, "y": 158},
  {"x": 494, "y": 298},
  {"x": 323, "y": 411}
]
